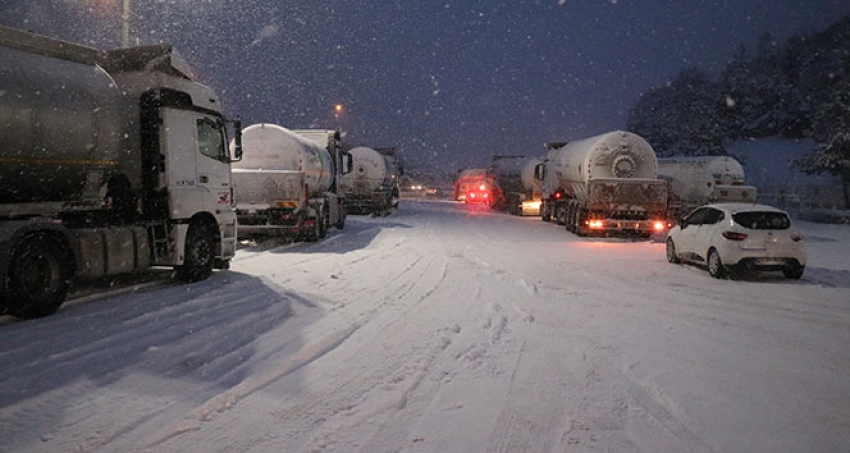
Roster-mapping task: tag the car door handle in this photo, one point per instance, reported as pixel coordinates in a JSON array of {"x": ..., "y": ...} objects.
[{"x": 205, "y": 179}]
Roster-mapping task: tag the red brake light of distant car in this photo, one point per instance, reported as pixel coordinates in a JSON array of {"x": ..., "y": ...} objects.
[
  {"x": 733, "y": 236},
  {"x": 485, "y": 195},
  {"x": 471, "y": 194},
  {"x": 796, "y": 237},
  {"x": 482, "y": 187},
  {"x": 557, "y": 195}
]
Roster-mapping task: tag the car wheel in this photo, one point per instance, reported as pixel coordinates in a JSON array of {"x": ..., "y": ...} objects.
[
  {"x": 715, "y": 265},
  {"x": 672, "y": 257},
  {"x": 794, "y": 271}
]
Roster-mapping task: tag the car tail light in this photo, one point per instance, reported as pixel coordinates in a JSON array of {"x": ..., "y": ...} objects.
[
  {"x": 558, "y": 195},
  {"x": 658, "y": 225},
  {"x": 733, "y": 236},
  {"x": 796, "y": 237}
]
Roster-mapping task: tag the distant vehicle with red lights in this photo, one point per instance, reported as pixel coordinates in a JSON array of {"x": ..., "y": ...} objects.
[
  {"x": 604, "y": 184},
  {"x": 476, "y": 186}
]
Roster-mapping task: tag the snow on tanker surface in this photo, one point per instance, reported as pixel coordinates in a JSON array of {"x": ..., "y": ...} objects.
[
  {"x": 372, "y": 185},
  {"x": 286, "y": 185},
  {"x": 606, "y": 183},
  {"x": 439, "y": 330},
  {"x": 697, "y": 180}
]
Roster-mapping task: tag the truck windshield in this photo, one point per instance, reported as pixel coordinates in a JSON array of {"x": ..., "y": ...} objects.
[{"x": 211, "y": 141}]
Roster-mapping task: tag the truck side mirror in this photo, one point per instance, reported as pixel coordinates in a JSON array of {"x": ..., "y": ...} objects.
[
  {"x": 237, "y": 140},
  {"x": 539, "y": 171}
]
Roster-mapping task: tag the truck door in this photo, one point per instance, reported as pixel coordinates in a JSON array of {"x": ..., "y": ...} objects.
[{"x": 197, "y": 163}]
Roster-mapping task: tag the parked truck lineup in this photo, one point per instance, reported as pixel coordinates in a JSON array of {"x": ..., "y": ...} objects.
[
  {"x": 606, "y": 183},
  {"x": 288, "y": 185},
  {"x": 110, "y": 162}
]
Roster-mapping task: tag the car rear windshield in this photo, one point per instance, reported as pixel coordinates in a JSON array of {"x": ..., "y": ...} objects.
[{"x": 762, "y": 220}]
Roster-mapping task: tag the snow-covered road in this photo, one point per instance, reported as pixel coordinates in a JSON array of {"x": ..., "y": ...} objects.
[{"x": 438, "y": 329}]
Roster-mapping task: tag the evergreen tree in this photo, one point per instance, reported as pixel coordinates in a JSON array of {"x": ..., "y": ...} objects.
[
  {"x": 831, "y": 130},
  {"x": 683, "y": 117}
]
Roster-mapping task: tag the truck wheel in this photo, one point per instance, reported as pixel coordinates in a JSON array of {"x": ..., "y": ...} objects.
[
  {"x": 199, "y": 254},
  {"x": 313, "y": 234},
  {"x": 323, "y": 224},
  {"x": 38, "y": 277}
]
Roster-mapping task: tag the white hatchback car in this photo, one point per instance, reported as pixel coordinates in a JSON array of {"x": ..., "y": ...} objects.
[{"x": 728, "y": 237}]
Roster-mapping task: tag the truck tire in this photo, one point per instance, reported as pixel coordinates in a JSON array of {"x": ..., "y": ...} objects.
[
  {"x": 324, "y": 224},
  {"x": 38, "y": 277},
  {"x": 199, "y": 254},
  {"x": 571, "y": 218}
]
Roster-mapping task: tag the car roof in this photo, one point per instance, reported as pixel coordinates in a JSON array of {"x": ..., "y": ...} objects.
[{"x": 745, "y": 207}]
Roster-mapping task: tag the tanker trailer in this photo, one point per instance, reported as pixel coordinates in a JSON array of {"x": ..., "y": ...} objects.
[
  {"x": 110, "y": 162},
  {"x": 604, "y": 184},
  {"x": 695, "y": 181},
  {"x": 283, "y": 185},
  {"x": 519, "y": 189},
  {"x": 372, "y": 185},
  {"x": 331, "y": 140}
]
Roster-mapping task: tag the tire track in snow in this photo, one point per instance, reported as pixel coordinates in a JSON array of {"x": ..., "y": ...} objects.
[{"x": 228, "y": 399}]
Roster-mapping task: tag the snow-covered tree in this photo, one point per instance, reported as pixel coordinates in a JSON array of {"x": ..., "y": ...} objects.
[
  {"x": 831, "y": 130},
  {"x": 683, "y": 117},
  {"x": 760, "y": 95}
]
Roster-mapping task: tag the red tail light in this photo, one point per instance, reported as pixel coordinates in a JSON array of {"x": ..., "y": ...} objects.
[
  {"x": 557, "y": 195},
  {"x": 733, "y": 236}
]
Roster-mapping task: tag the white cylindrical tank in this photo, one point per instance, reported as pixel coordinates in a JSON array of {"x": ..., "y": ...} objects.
[
  {"x": 529, "y": 181},
  {"x": 612, "y": 155},
  {"x": 695, "y": 178},
  {"x": 273, "y": 147},
  {"x": 369, "y": 169}
]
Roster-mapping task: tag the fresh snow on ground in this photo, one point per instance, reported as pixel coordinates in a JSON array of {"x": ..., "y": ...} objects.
[{"x": 441, "y": 329}]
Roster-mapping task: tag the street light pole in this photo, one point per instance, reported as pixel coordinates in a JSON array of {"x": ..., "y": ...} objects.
[{"x": 125, "y": 25}]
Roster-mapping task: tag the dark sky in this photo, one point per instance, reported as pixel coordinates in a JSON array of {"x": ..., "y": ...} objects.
[{"x": 450, "y": 83}]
